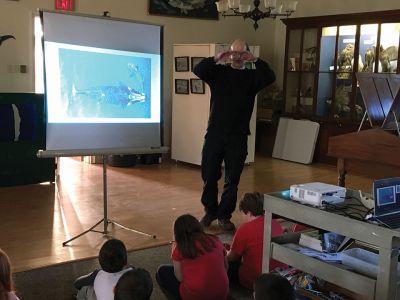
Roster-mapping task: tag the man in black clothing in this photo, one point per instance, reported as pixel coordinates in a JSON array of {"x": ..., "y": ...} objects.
[{"x": 233, "y": 91}]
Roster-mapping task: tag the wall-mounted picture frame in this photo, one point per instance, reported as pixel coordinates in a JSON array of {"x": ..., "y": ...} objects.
[
  {"x": 181, "y": 86},
  {"x": 199, "y": 9},
  {"x": 194, "y": 61},
  {"x": 182, "y": 64},
  {"x": 197, "y": 86}
]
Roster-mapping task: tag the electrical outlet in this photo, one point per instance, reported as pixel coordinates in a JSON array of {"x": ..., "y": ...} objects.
[{"x": 23, "y": 69}]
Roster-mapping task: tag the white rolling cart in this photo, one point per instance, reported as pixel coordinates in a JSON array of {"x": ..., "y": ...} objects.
[{"x": 384, "y": 287}]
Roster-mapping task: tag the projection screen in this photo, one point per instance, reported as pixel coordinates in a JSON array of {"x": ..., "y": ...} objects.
[{"x": 103, "y": 83}]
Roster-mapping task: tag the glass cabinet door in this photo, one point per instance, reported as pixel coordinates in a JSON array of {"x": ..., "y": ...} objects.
[
  {"x": 389, "y": 47},
  {"x": 345, "y": 51},
  {"x": 310, "y": 39},
  {"x": 294, "y": 50},
  {"x": 326, "y": 71},
  {"x": 306, "y": 93},
  {"x": 300, "y": 76},
  {"x": 344, "y": 71},
  {"x": 324, "y": 96},
  {"x": 292, "y": 83},
  {"x": 293, "y": 71},
  {"x": 308, "y": 64},
  {"x": 368, "y": 40}
]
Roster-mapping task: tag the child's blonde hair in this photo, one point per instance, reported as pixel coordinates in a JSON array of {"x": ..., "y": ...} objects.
[{"x": 6, "y": 284}]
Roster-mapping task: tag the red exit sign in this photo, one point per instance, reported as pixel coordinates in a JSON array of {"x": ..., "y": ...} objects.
[{"x": 64, "y": 4}]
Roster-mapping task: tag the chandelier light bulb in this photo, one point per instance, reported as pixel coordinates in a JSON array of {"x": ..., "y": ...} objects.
[
  {"x": 291, "y": 6},
  {"x": 222, "y": 6},
  {"x": 244, "y": 8},
  {"x": 277, "y": 10},
  {"x": 271, "y": 4},
  {"x": 233, "y": 4}
]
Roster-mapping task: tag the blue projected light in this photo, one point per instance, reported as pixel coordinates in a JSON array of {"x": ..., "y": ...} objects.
[
  {"x": 286, "y": 194},
  {"x": 94, "y": 85}
]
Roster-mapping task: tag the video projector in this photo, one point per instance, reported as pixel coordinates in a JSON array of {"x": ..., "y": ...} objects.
[{"x": 317, "y": 193}]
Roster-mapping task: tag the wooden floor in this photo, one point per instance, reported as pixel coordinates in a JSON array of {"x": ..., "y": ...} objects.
[{"x": 37, "y": 219}]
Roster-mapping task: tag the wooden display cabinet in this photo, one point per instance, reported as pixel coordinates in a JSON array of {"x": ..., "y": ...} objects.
[{"x": 322, "y": 56}]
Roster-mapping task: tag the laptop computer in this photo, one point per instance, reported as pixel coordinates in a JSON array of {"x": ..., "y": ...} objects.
[{"x": 387, "y": 202}]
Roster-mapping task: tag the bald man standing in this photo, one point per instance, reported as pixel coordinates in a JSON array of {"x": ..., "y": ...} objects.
[{"x": 233, "y": 91}]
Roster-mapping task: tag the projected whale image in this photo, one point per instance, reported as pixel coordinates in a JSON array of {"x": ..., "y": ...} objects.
[
  {"x": 118, "y": 95},
  {"x": 104, "y": 85}
]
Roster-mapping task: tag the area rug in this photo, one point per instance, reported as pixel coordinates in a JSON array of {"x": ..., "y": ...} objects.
[{"x": 56, "y": 282}]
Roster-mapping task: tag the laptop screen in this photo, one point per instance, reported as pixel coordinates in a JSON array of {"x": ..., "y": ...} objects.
[{"x": 387, "y": 195}]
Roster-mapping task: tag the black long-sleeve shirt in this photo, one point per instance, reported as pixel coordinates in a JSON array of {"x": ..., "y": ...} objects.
[{"x": 233, "y": 92}]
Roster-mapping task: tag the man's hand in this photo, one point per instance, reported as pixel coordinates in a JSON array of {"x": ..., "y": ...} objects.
[
  {"x": 222, "y": 57},
  {"x": 247, "y": 56},
  {"x": 227, "y": 56},
  {"x": 227, "y": 246}
]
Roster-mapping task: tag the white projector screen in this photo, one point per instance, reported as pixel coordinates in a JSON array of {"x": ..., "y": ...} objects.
[{"x": 102, "y": 83}]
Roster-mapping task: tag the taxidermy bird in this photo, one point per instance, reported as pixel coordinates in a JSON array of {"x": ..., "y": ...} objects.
[{"x": 6, "y": 37}]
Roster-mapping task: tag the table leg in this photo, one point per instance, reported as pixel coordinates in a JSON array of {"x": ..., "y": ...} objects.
[
  {"x": 267, "y": 241},
  {"x": 342, "y": 172}
]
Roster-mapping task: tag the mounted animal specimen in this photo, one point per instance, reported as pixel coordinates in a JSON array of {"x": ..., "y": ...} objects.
[
  {"x": 369, "y": 59},
  {"x": 387, "y": 56}
]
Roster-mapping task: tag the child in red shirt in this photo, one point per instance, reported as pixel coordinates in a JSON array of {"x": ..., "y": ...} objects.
[
  {"x": 199, "y": 265},
  {"x": 245, "y": 254}
]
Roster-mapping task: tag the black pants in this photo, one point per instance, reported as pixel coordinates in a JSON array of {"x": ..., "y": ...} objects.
[
  {"x": 232, "y": 150},
  {"x": 233, "y": 272},
  {"x": 166, "y": 279}
]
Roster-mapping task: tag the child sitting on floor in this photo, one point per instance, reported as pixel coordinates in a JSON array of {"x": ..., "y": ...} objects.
[
  {"x": 245, "y": 253},
  {"x": 100, "y": 283},
  {"x": 135, "y": 284},
  {"x": 199, "y": 267},
  {"x": 272, "y": 287},
  {"x": 6, "y": 283}
]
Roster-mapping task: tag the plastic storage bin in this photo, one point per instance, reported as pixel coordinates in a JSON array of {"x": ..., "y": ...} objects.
[{"x": 362, "y": 261}]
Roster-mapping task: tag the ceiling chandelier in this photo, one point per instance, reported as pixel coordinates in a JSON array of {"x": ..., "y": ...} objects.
[{"x": 242, "y": 8}]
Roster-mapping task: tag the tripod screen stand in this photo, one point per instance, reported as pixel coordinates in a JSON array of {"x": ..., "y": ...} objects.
[{"x": 105, "y": 220}]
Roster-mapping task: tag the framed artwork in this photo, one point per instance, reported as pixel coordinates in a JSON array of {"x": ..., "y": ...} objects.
[
  {"x": 200, "y": 9},
  {"x": 182, "y": 64},
  {"x": 181, "y": 86},
  {"x": 195, "y": 61},
  {"x": 196, "y": 86}
]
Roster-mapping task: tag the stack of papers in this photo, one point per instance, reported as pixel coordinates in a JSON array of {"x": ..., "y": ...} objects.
[
  {"x": 311, "y": 240},
  {"x": 328, "y": 257}
]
